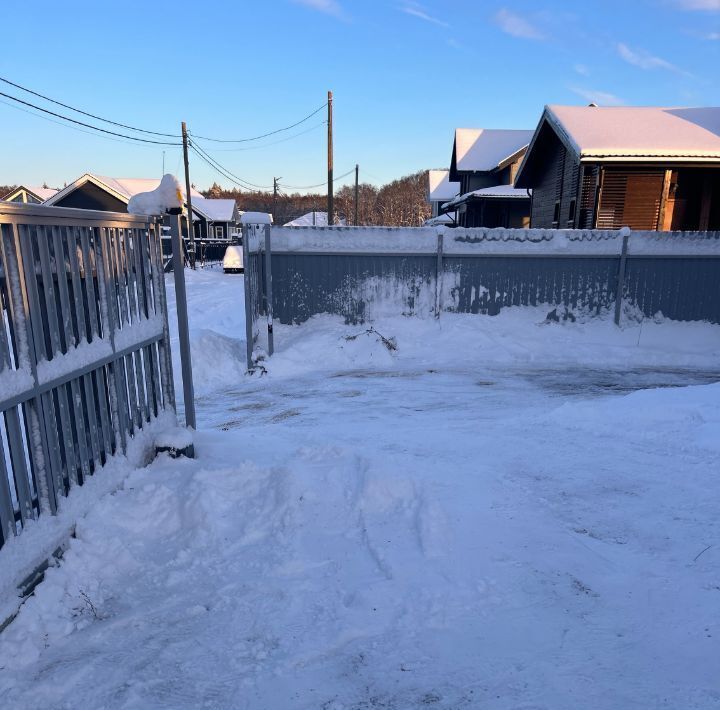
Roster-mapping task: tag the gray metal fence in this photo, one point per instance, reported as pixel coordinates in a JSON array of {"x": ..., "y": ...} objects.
[
  {"x": 363, "y": 273},
  {"x": 84, "y": 349}
]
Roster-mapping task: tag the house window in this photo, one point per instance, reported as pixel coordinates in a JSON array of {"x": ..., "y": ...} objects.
[
  {"x": 219, "y": 232},
  {"x": 571, "y": 213},
  {"x": 556, "y": 214}
]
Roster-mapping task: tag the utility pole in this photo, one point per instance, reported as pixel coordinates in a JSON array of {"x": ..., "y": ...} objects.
[
  {"x": 357, "y": 180},
  {"x": 275, "y": 195},
  {"x": 188, "y": 199},
  {"x": 330, "y": 206}
]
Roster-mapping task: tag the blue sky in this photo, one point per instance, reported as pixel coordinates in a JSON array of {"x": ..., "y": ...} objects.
[{"x": 404, "y": 74}]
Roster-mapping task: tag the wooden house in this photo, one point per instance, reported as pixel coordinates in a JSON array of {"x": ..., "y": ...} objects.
[
  {"x": 606, "y": 167},
  {"x": 212, "y": 219},
  {"x": 219, "y": 219},
  {"x": 484, "y": 163},
  {"x": 29, "y": 195},
  {"x": 440, "y": 190}
]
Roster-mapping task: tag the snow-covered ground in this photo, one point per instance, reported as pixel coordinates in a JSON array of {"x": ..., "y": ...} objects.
[{"x": 500, "y": 513}]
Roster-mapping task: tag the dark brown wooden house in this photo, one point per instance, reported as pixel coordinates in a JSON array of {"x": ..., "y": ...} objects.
[
  {"x": 484, "y": 163},
  {"x": 607, "y": 167}
]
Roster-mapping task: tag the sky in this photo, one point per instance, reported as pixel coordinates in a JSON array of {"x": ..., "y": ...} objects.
[{"x": 404, "y": 75}]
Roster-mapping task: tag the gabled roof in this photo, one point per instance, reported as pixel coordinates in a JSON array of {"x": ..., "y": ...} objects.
[
  {"x": 216, "y": 210},
  {"x": 122, "y": 188},
  {"x": 439, "y": 186},
  {"x": 645, "y": 132},
  {"x": 486, "y": 149},
  {"x": 625, "y": 134},
  {"x": 41, "y": 193}
]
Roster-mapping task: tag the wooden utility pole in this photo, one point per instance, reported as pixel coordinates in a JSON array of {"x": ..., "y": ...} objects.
[
  {"x": 188, "y": 199},
  {"x": 330, "y": 206},
  {"x": 357, "y": 175},
  {"x": 275, "y": 195}
]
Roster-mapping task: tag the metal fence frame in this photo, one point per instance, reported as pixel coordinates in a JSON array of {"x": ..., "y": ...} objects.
[
  {"x": 324, "y": 269},
  {"x": 85, "y": 358}
]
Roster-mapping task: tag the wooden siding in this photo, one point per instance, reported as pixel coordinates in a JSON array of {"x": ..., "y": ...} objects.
[
  {"x": 91, "y": 197},
  {"x": 630, "y": 198},
  {"x": 589, "y": 184},
  {"x": 550, "y": 185}
]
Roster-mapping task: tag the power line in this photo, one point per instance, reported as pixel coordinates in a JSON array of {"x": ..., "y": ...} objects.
[
  {"x": 75, "y": 128},
  {"x": 320, "y": 184},
  {"x": 241, "y": 182},
  {"x": 267, "y": 145},
  {"x": 264, "y": 135},
  {"x": 87, "y": 125},
  {"x": 85, "y": 113}
]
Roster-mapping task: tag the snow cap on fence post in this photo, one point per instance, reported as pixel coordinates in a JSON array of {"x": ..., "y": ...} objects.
[{"x": 166, "y": 197}]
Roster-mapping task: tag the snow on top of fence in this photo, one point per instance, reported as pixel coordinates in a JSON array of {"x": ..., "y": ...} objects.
[{"x": 478, "y": 241}]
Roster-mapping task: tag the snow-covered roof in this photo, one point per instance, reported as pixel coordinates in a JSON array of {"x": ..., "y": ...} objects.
[
  {"x": 317, "y": 219},
  {"x": 440, "y": 188},
  {"x": 502, "y": 192},
  {"x": 42, "y": 193},
  {"x": 441, "y": 219},
  {"x": 216, "y": 210},
  {"x": 256, "y": 218},
  {"x": 646, "y": 132},
  {"x": 122, "y": 188},
  {"x": 484, "y": 149}
]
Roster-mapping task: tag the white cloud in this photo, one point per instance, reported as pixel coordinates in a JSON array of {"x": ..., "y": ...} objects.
[
  {"x": 601, "y": 98},
  {"x": 516, "y": 25},
  {"x": 708, "y": 5},
  {"x": 713, "y": 36},
  {"x": 645, "y": 60},
  {"x": 329, "y": 7},
  {"x": 582, "y": 69},
  {"x": 416, "y": 10}
]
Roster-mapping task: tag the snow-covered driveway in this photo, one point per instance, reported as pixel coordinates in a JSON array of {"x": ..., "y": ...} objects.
[{"x": 489, "y": 517}]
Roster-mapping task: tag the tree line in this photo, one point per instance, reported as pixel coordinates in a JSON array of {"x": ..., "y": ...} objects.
[{"x": 400, "y": 203}]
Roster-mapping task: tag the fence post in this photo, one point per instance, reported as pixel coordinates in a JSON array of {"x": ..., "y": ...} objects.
[
  {"x": 439, "y": 275},
  {"x": 268, "y": 290},
  {"x": 625, "y": 232},
  {"x": 182, "y": 319},
  {"x": 246, "y": 284}
]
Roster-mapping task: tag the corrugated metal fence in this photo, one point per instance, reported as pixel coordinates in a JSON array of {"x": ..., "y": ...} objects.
[
  {"x": 84, "y": 349},
  {"x": 364, "y": 273}
]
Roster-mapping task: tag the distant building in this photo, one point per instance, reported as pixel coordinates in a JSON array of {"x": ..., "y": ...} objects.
[
  {"x": 440, "y": 190},
  {"x": 220, "y": 218},
  {"x": 311, "y": 219},
  {"x": 212, "y": 219},
  {"x": 497, "y": 206},
  {"x": 484, "y": 163},
  {"x": 608, "y": 167},
  {"x": 29, "y": 195}
]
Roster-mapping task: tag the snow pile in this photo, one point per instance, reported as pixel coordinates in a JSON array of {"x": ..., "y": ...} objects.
[
  {"x": 166, "y": 196},
  {"x": 255, "y": 218},
  {"x": 311, "y": 219},
  {"x": 217, "y": 329},
  {"x": 42, "y": 537},
  {"x": 455, "y": 513}
]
